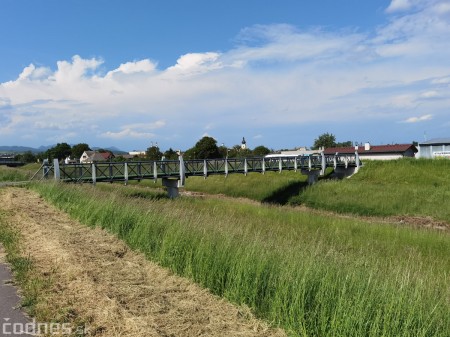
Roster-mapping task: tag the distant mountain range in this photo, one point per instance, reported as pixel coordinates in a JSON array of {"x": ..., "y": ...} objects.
[{"x": 22, "y": 149}]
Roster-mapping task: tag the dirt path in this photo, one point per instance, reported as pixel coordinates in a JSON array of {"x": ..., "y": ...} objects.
[{"x": 96, "y": 279}]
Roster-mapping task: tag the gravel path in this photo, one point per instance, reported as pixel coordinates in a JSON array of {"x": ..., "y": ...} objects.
[{"x": 12, "y": 320}]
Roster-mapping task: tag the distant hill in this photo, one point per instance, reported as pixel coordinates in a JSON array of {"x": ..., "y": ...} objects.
[
  {"x": 18, "y": 149},
  {"x": 113, "y": 149}
]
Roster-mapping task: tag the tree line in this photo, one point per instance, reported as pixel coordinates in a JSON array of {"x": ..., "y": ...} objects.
[{"x": 205, "y": 148}]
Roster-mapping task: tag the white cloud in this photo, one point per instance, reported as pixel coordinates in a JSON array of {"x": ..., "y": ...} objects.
[
  {"x": 429, "y": 94},
  {"x": 75, "y": 70},
  {"x": 127, "y": 133},
  {"x": 278, "y": 76},
  {"x": 197, "y": 63},
  {"x": 135, "y": 67},
  {"x": 418, "y": 119},
  {"x": 146, "y": 126},
  {"x": 33, "y": 73},
  {"x": 398, "y": 5},
  {"x": 283, "y": 43},
  {"x": 442, "y": 80},
  {"x": 135, "y": 131}
]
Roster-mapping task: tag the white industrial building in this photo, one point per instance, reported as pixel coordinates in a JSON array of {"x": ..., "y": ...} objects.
[{"x": 434, "y": 148}]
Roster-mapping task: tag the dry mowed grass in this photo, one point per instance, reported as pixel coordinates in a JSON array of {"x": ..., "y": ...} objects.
[{"x": 93, "y": 279}]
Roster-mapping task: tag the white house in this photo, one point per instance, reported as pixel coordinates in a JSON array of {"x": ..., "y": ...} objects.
[{"x": 94, "y": 156}]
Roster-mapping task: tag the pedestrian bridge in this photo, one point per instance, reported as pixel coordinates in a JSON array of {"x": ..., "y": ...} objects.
[
  {"x": 174, "y": 172},
  {"x": 11, "y": 162}
]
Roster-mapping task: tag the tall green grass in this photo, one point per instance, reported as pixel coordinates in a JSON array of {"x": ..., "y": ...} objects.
[
  {"x": 400, "y": 187},
  {"x": 12, "y": 174},
  {"x": 270, "y": 187},
  {"x": 312, "y": 275}
]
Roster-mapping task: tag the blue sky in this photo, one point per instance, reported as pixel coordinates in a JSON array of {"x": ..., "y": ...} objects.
[{"x": 128, "y": 73}]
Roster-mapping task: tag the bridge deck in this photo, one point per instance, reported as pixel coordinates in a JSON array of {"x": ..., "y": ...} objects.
[{"x": 180, "y": 169}]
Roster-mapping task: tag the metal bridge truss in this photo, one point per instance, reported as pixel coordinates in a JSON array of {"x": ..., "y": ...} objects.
[{"x": 180, "y": 169}]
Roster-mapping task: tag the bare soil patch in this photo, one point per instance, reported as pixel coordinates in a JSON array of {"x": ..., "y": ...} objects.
[{"x": 96, "y": 279}]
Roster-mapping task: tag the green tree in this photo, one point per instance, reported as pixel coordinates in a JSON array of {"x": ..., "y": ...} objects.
[
  {"x": 206, "y": 148},
  {"x": 234, "y": 151},
  {"x": 26, "y": 157},
  {"x": 170, "y": 154},
  {"x": 348, "y": 143},
  {"x": 325, "y": 140},
  {"x": 78, "y": 149},
  {"x": 60, "y": 151},
  {"x": 223, "y": 150},
  {"x": 153, "y": 153},
  {"x": 261, "y": 151},
  {"x": 243, "y": 153}
]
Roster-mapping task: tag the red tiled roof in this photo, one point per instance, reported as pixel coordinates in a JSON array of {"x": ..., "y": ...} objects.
[
  {"x": 106, "y": 155},
  {"x": 397, "y": 148}
]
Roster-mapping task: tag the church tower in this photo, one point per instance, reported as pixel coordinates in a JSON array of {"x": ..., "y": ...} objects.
[{"x": 244, "y": 144}]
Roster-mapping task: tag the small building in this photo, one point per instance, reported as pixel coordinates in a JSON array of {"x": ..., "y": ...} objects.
[
  {"x": 434, "y": 148},
  {"x": 69, "y": 160},
  {"x": 135, "y": 153},
  {"x": 301, "y": 151},
  {"x": 94, "y": 156},
  {"x": 376, "y": 152}
]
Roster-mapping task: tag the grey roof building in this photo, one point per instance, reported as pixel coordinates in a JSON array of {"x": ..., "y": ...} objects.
[{"x": 434, "y": 148}]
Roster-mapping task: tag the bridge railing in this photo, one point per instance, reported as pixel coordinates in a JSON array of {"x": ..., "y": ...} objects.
[
  {"x": 179, "y": 169},
  {"x": 215, "y": 166},
  {"x": 76, "y": 172}
]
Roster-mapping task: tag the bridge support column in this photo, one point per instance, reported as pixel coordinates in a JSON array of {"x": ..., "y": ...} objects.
[
  {"x": 155, "y": 172},
  {"x": 182, "y": 180},
  {"x": 323, "y": 164},
  {"x": 313, "y": 176},
  {"x": 357, "y": 161},
  {"x": 56, "y": 170},
  {"x": 94, "y": 175},
  {"x": 172, "y": 187},
  {"x": 125, "y": 173}
]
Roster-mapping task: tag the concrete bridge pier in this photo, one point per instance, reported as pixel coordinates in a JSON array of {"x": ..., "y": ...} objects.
[
  {"x": 172, "y": 186},
  {"x": 313, "y": 175}
]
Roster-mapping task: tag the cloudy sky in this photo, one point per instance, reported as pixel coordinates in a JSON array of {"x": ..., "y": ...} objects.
[{"x": 280, "y": 73}]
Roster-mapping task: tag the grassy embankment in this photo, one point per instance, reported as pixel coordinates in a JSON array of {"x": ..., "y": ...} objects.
[
  {"x": 8, "y": 174},
  {"x": 401, "y": 187},
  {"x": 21, "y": 173},
  {"x": 271, "y": 187},
  {"x": 314, "y": 275}
]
